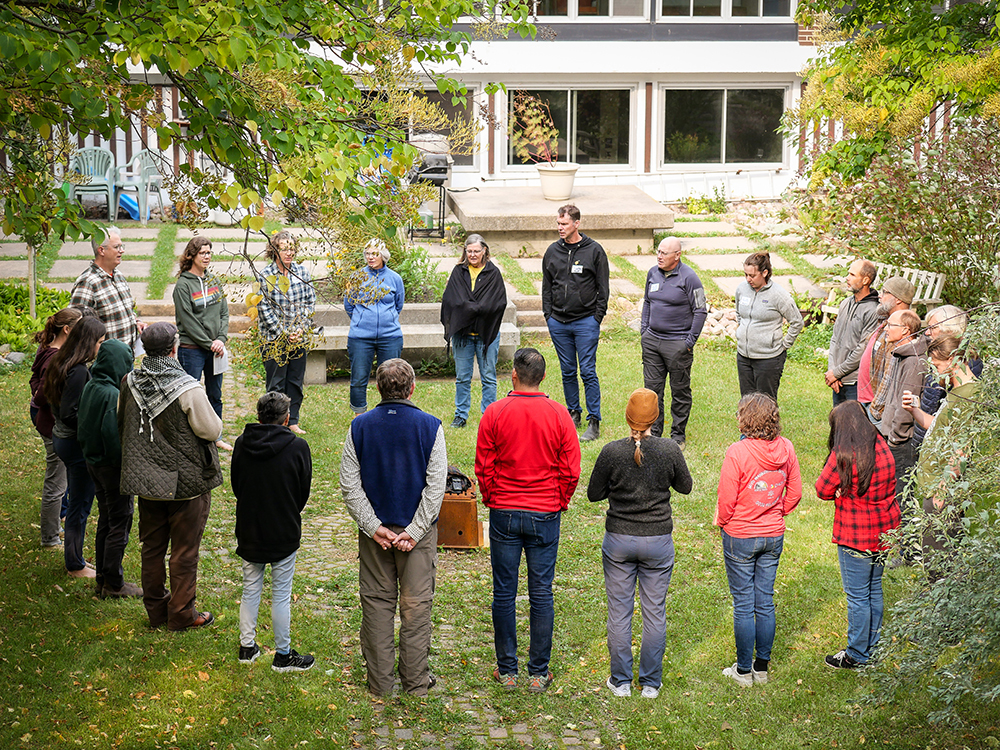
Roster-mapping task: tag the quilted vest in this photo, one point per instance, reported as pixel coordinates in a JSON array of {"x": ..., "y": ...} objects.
[{"x": 175, "y": 465}]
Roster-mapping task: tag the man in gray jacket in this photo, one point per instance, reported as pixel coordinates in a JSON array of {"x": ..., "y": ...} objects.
[
  {"x": 856, "y": 320},
  {"x": 168, "y": 431}
]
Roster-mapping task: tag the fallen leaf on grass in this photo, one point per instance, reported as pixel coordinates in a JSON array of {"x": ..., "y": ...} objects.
[
  {"x": 203, "y": 676},
  {"x": 726, "y": 727}
]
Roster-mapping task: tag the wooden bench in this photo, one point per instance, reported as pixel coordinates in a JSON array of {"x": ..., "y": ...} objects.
[{"x": 927, "y": 287}]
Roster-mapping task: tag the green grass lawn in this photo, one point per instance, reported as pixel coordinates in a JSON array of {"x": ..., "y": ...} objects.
[{"x": 78, "y": 672}]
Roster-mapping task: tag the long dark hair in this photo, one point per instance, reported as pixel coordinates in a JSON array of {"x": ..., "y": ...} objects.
[
  {"x": 68, "y": 316},
  {"x": 79, "y": 347},
  {"x": 194, "y": 246},
  {"x": 852, "y": 440}
]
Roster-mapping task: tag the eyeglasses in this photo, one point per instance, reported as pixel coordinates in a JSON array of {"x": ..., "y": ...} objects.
[
  {"x": 205, "y": 254},
  {"x": 895, "y": 325}
]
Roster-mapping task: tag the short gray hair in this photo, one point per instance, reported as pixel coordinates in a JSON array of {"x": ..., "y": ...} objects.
[
  {"x": 376, "y": 244},
  {"x": 949, "y": 319},
  {"x": 100, "y": 239},
  {"x": 272, "y": 407}
]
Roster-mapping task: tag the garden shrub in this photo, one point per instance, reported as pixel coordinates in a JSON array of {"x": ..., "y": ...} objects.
[{"x": 17, "y": 327}]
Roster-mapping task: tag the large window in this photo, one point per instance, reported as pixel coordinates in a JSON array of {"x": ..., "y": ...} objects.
[
  {"x": 588, "y": 8},
  {"x": 455, "y": 113},
  {"x": 593, "y": 125},
  {"x": 726, "y": 8},
  {"x": 722, "y": 126}
]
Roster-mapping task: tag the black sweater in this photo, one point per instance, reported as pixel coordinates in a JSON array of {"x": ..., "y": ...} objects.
[
  {"x": 271, "y": 478},
  {"x": 568, "y": 296},
  {"x": 639, "y": 496}
]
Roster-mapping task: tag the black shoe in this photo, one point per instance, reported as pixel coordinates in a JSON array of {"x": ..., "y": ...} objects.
[
  {"x": 577, "y": 418},
  {"x": 292, "y": 662},
  {"x": 458, "y": 423},
  {"x": 593, "y": 431},
  {"x": 249, "y": 654},
  {"x": 841, "y": 660},
  {"x": 431, "y": 680}
]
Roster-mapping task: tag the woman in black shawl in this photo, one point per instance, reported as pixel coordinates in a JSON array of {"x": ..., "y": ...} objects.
[{"x": 471, "y": 310}]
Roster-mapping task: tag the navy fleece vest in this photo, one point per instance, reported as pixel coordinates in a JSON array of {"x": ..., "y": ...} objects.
[{"x": 393, "y": 443}]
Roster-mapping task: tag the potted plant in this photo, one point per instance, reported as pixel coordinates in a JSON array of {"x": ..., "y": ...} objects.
[{"x": 535, "y": 138}]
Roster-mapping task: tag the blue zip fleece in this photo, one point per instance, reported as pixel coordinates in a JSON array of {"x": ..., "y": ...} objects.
[{"x": 374, "y": 307}]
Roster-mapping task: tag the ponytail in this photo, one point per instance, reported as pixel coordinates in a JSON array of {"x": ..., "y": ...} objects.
[
  {"x": 637, "y": 437},
  {"x": 55, "y": 323}
]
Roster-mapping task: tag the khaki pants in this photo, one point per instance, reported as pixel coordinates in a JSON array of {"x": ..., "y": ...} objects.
[{"x": 385, "y": 576}]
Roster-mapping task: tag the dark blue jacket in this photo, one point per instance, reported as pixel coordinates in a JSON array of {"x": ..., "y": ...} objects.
[
  {"x": 393, "y": 443},
  {"x": 674, "y": 305}
]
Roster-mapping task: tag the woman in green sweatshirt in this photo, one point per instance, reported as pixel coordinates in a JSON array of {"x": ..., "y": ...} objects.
[{"x": 202, "y": 314}]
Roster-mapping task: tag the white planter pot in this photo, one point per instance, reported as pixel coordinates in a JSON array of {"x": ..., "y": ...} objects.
[{"x": 557, "y": 179}]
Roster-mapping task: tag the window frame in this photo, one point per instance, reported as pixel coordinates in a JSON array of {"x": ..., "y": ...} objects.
[
  {"x": 662, "y": 165},
  {"x": 726, "y": 15},
  {"x": 479, "y": 145},
  {"x": 573, "y": 14},
  {"x": 510, "y": 166}
]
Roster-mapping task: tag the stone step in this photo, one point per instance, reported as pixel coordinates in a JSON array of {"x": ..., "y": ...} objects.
[
  {"x": 412, "y": 314},
  {"x": 525, "y": 302},
  {"x": 237, "y": 323}
]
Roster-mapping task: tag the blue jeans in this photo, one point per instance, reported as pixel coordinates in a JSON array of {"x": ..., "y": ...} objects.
[
  {"x": 197, "y": 361},
  {"x": 751, "y": 566},
  {"x": 281, "y": 601},
  {"x": 651, "y": 559},
  {"x": 466, "y": 350},
  {"x": 847, "y": 393},
  {"x": 861, "y": 576},
  {"x": 578, "y": 341},
  {"x": 362, "y": 352},
  {"x": 81, "y": 499},
  {"x": 538, "y": 535}
]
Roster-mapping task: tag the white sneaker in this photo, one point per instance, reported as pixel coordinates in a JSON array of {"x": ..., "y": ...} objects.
[
  {"x": 759, "y": 678},
  {"x": 648, "y": 691},
  {"x": 743, "y": 680},
  {"x": 622, "y": 691}
]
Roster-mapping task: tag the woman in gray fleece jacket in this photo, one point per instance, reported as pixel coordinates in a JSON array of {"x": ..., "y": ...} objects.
[{"x": 762, "y": 309}]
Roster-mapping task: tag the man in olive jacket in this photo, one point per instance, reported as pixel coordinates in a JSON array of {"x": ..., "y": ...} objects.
[{"x": 168, "y": 431}]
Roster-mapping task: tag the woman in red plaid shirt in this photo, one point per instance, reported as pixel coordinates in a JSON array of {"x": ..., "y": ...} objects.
[{"x": 859, "y": 476}]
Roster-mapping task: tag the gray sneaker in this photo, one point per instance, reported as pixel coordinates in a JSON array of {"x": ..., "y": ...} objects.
[
  {"x": 648, "y": 691},
  {"x": 621, "y": 691},
  {"x": 743, "y": 680},
  {"x": 759, "y": 678}
]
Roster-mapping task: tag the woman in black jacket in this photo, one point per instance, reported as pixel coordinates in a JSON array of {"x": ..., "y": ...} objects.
[
  {"x": 471, "y": 312},
  {"x": 65, "y": 377}
]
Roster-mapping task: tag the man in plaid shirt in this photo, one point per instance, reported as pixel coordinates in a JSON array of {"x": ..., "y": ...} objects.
[{"x": 103, "y": 289}]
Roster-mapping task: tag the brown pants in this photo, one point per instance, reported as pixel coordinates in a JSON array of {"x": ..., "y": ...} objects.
[
  {"x": 385, "y": 576},
  {"x": 179, "y": 524}
]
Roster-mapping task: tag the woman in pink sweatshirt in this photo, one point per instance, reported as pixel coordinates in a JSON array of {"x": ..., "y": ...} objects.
[{"x": 759, "y": 486}]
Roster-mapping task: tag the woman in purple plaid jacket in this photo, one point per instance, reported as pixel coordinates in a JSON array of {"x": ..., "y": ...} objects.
[{"x": 859, "y": 476}]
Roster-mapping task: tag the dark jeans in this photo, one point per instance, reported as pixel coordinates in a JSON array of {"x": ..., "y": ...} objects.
[
  {"x": 81, "y": 499},
  {"x": 178, "y": 524},
  {"x": 538, "y": 535},
  {"x": 287, "y": 379},
  {"x": 198, "y": 361},
  {"x": 751, "y": 567},
  {"x": 578, "y": 341},
  {"x": 362, "y": 353},
  {"x": 662, "y": 358},
  {"x": 114, "y": 524},
  {"x": 760, "y": 375},
  {"x": 847, "y": 393}
]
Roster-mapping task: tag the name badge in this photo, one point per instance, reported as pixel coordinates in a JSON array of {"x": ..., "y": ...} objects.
[
  {"x": 576, "y": 268},
  {"x": 654, "y": 287}
]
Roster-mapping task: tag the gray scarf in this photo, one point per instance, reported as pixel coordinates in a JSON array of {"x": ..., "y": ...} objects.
[{"x": 156, "y": 385}]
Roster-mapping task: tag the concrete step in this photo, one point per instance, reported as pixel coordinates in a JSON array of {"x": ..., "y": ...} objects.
[
  {"x": 412, "y": 314},
  {"x": 530, "y": 318},
  {"x": 155, "y": 309},
  {"x": 526, "y": 302},
  {"x": 237, "y": 323}
]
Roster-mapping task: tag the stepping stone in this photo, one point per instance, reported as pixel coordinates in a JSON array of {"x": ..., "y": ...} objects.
[
  {"x": 716, "y": 243},
  {"x": 531, "y": 265},
  {"x": 626, "y": 287},
  {"x": 731, "y": 262},
  {"x": 801, "y": 284},
  {"x": 822, "y": 261},
  {"x": 140, "y": 233},
  {"x": 642, "y": 262},
  {"x": 70, "y": 249},
  {"x": 63, "y": 286},
  {"x": 11, "y": 249},
  {"x": 139, "y": 288},
  {"x": 133, "y": 269},
  {"x": 235, "y": 233},
  {"x": 785, "y": 239},
  {"x": 14, "y": 269},
  {"x": 704, "y": 227}
]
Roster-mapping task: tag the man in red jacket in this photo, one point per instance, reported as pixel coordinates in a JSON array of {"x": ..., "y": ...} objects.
[{"x": 528, "y": 465}]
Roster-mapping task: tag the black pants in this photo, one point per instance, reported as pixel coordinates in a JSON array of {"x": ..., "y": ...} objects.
[
  {"x": 114, "y": 524},
  {"x": 760, "y": 375},
  {"x": 662, "y": 358},
  {"x": 288, "y": 378},
  {"x": 905, "y": 456}
]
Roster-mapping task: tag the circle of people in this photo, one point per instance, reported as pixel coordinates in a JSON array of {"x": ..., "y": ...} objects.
[{"x": 114, "y": 432}]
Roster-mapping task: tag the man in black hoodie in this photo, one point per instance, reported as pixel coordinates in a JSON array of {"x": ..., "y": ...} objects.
[
  {"x": 575, "y": 281},
  {"x": 271, "y": 478}
]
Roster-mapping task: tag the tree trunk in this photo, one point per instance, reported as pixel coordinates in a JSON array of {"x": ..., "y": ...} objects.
[{"x": 32, "y": 292}]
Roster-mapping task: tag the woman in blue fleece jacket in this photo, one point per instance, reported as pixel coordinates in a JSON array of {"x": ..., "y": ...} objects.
[{"x": 374, "y": 306}]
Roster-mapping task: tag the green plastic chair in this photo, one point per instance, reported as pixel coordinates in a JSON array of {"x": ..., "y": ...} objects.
[
  {"x": 97, "y": 164},
  {"x": 144, "y": 177}
]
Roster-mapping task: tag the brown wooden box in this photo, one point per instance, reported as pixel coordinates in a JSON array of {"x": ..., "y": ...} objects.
[{"x": 458, "y": 522}]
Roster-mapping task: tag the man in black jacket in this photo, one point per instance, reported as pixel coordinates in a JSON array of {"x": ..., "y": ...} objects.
[
  {"x": 271, "y": 478},
  {"x": 574, "y": 302}
]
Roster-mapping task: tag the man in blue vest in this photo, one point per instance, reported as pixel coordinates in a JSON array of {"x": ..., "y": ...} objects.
[{"x": 392, "y": 475}]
